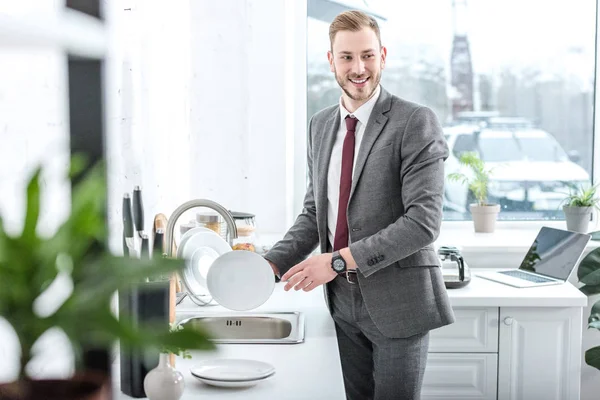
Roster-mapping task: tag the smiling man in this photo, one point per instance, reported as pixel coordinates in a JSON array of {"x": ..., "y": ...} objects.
[{"x": 374, "y": 207}]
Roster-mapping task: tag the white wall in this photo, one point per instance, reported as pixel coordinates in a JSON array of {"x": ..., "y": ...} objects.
[
  {"x": 207, "y": 107},
  {"x": 244, "y": 122}
]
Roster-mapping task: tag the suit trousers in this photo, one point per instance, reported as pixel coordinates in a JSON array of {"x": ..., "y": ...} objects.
[{"x": 374, "y": 366}]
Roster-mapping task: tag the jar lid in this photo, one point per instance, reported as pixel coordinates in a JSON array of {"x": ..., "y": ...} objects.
[
  {"x": 241, "y": 215},
  {"x": 207, "y": 217}
]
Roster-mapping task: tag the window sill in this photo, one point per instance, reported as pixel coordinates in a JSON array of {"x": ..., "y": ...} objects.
[
  {"x": 509, "y": 237},
  {"x": 503, "y": 248}
]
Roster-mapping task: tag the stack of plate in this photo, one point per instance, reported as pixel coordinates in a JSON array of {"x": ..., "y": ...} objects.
[
  {"x": 237, "y": 280},
  {"x": 200, "y": 247},
  {"x": 232, "y": 372}
]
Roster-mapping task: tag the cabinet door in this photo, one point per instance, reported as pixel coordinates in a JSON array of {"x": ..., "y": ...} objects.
[
  {"x": 474, "y": 331},
  {"x": 540, "y": 353},
  {"x": 461, "y": 376}
]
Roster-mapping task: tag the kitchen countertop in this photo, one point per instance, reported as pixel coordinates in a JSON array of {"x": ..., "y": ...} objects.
[
  {"x": 485, "y": 293},
  {"x": 311, "y": 370},
  {"x": 308, "y": 370}
]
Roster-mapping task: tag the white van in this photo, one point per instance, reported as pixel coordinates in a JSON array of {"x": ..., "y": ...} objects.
[{"x": 531, "y": 171}]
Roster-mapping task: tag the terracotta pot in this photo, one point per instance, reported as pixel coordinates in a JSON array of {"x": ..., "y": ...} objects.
[{"x": 79, "y": 387}]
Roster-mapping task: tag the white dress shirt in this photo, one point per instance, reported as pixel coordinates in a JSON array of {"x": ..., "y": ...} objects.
[{"x": 335, "y": 164}]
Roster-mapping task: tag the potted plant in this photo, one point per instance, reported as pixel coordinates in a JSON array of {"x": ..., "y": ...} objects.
[
  {"x": 29, "y": 265},
  {"x": 580, "y": 204},
  {"x": 588, "y": 273},
  {"x": 484, "y": 214}
]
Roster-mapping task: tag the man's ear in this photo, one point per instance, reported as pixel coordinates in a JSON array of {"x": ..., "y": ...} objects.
[
  {"x": 330, "y": 58},
  {"x": 383, "y": 56}
]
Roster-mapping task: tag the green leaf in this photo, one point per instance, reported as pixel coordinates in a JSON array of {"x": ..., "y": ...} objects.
[
  {"x": 595, "y": 311},
  {"x": 104, "y": 327},
  {"x": 33, "y": 207},
  {"x": 592, "y": 357},
  {"x": 590, "y": 290},
  {"x": 29, "y": 263},
  {"x": 581, "y": 197},
  {"x": 588, "y": 271},
  {"x": 478, "y": 184},
  {"x": 594, "y": 324},
  {"x": 103, "y": 277}
]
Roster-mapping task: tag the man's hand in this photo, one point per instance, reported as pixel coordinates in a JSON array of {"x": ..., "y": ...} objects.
[{"x": 310, "y": 273}]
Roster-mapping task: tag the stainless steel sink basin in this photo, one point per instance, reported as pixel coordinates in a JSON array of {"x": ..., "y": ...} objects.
[{"x": 263, "y": 328}]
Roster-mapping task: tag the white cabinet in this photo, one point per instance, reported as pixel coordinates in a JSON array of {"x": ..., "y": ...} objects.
[
  {"x": 463, "y": 357},
  {"x": 506, "y": 353},
  {"x": 539, "y": 353},
  {"x": 460, "y": 376},
  {"x": 475, "y": 330}
]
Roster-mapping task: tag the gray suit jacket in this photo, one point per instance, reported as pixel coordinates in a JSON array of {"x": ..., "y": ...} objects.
[{"x": 394, "y": 214}]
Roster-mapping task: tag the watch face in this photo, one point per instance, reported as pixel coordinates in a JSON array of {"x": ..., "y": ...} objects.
[{"x": 339, "y": 265}]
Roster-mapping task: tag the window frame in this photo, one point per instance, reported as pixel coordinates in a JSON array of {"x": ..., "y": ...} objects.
[{"x": 460, "y": 228}]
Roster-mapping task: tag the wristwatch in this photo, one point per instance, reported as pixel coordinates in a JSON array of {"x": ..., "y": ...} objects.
[{"x": 338, "y": 264}]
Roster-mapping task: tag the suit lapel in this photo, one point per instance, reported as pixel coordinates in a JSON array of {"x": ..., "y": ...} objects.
[
  {"x": 375, "y": 125},
  {"x": 322, "y": 163}
]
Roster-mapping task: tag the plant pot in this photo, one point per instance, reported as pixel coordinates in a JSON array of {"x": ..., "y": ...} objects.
[
  {"x": 484, "y": 217},
  {"x": 164, "y": 382},
  {"x": 578, "y": 218},
  {"x": 79, "y": 387}
]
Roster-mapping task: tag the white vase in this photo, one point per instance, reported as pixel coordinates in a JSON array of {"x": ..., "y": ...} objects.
[{"x": 164, "y": 382}]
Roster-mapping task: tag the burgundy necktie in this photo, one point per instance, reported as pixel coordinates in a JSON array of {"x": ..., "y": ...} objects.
[{"x": 341, "y": 229}]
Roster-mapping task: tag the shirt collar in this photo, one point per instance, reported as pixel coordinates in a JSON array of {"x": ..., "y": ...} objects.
[{"x": 363, "y": 112}]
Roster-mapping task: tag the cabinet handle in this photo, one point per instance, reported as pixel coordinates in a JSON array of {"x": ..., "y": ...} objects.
[{"x": 508, "y": 321}]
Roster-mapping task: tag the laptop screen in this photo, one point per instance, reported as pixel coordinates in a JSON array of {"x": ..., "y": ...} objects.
[{"x": 555, "y": 252}]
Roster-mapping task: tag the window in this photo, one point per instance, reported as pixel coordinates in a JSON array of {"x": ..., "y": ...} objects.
[{"x": 511, "y": 79}]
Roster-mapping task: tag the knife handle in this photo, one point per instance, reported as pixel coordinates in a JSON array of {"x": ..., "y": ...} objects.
[
  {"x": 157, "y": 243},
  {"x": 127, "y": 218},
  {"x": 138, "y": 209},
  {"x": 145, "y": 251}
]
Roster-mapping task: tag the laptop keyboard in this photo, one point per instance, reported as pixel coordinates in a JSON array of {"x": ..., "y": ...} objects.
[{"x": 526, "y": 276}]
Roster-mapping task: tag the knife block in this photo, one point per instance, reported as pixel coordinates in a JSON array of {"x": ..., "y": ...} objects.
[{"x": 146, "y": 303}]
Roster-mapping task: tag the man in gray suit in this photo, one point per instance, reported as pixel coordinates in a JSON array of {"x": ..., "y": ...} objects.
[{"x": 374, "y": 205}]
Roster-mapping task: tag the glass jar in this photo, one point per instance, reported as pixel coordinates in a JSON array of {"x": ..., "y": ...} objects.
[
  {"x": 245, "y": 239},
  {"x": 210, "y": 221},
  {"x": 246, "y": 228}
]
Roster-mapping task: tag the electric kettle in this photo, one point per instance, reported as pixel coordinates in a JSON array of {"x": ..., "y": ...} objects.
[{"x": 454, "y": 268}]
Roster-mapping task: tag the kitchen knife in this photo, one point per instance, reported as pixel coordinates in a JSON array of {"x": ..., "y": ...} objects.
[
  {"x": 138, "y": 210},
  {"x": 128, "y": 237},
  {"x": 157, "y": 243},
  {"x": 145, "y": 250}
]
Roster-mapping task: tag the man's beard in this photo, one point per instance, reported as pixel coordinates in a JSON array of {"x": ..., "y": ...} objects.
[{"x": 374, "y": 78}]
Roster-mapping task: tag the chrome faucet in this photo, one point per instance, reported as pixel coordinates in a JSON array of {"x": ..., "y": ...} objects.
[{"x": 231, "y": 230}]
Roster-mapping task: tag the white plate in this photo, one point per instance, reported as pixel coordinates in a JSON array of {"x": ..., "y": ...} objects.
[
  {"x": 240, "y": 280},
  {"x": 199, "y": 252},
  {"x": 189, "y": 234},
  {"x": 232, "y": 383},
  {"x": 232, "y": 370}
]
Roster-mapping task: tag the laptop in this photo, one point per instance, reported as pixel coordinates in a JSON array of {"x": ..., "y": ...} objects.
[{"x": 550, "y": 260}]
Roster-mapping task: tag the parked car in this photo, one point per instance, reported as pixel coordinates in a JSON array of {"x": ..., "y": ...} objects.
[{"x": 532, "y": 173}]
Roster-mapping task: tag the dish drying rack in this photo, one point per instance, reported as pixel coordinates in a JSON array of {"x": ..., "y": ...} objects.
[{"x": 170, "y": 229}]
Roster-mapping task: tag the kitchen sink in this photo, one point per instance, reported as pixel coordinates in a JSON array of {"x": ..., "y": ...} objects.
[{"x": 260, "y": 328}]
